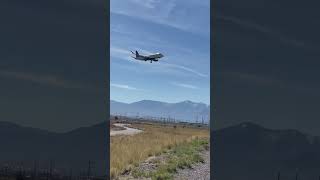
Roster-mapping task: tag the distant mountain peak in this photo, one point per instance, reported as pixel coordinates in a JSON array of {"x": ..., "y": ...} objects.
[
  {"x": 8, "y": 124},
  {"x": 187, "y": 101},
  {"x": 249, "y": 125},
  {"x": 147, "y": 101},
  {"x": 192, "y": 102},
  {"x": 252, "y": 143},
  {"x": 184, "y": 110}
]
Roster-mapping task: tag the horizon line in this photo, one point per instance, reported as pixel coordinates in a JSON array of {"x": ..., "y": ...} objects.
[{"x": 159, "y": 101}]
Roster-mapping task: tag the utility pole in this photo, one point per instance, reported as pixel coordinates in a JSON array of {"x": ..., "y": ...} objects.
[
  {"x": 90, "y": 167},
  {"x": 6, "y": 171},
  {"x": 51, "y": 168},
  {"x": 278, "y": 175},
  {"x": 70, "y": 176},
  {"x": 197, "y": 118},
  {"x": 35, "y": 171},
  {"x": 21, "y": 169}
]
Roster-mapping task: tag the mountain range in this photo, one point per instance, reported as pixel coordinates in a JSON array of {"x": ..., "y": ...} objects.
[
  {"x": 185, "y": 110},
  {"x": 247, "y": 151},
  {"x": 71, "y": 149}
]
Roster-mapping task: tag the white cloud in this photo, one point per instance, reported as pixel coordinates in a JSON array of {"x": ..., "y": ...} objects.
[
  {"x": 123, "y": 86},
  {"x": 263, "y": 29},
  {"x": 251, "y": 77},
  {"x": 160, "y": 66},
  {"x": 120, "y": 53},
  {"x": 118, "y": 50},
  {"x": 125, "y": 54},
  {"x": 189, "y": 86},
  {"x": 151, "y": 4},
  {"x": 184, "y": 68},
  {"x": 171, "y": 13},
  {"x": 46, "y": 79}
]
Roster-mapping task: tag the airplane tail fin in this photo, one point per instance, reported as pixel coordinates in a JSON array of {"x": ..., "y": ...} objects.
[{"x": 136, "y": 54}]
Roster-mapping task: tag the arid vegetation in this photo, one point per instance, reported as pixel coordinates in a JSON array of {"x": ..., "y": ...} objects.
[{"x": 156, "y": 139}]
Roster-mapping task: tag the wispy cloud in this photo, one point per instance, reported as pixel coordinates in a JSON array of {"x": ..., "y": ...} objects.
[
  {"x": 121, "y": 53},
  {"x": 45, "y": 79},
  {"x": 125, "y": 54},
  {"x": 117, "y": 50},
  {"x": 262, "y": 29},
  {"x": 120, "y": 29},
  {"x": 189, "y": 86},
  {"x": 151, "y": 4},
  {"x": 123, "y": 86},
  {"x": 167, "y": 12},
  {"x": 271, "y": 81},
  {"x": 179, "y": 29},
  {"x": 184, "y": 68},
  {"x": 252, "y": 77}
]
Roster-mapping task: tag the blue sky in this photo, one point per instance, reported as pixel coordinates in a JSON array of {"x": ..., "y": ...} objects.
[{"x": 178, "y": 29}]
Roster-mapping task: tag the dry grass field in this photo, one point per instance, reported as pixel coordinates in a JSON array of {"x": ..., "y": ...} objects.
[{"x": 128, "y": 151}]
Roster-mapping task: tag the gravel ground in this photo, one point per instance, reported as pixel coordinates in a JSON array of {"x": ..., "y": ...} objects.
[
  {"x": 126, "y": 131},
  {"x": 200, "y": 171},
  {"x": 132, "y": 178}
]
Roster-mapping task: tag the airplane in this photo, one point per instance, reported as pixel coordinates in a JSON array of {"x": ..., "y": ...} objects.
[{"x": 152, "y": 57}]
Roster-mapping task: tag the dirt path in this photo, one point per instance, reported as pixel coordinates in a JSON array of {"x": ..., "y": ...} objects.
[
  {"x": 127, "y": 131},
  {"x": 200, "y": 171}
]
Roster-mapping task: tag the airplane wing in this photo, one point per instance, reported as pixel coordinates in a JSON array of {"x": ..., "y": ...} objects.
[{"x": 140, "y": 59}]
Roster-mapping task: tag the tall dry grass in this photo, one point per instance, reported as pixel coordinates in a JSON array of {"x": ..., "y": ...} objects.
[{"x": 155, "y": 139}]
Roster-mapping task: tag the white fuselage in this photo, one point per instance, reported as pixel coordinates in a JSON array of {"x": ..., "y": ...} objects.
[{"x": 153, "y": 57}]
